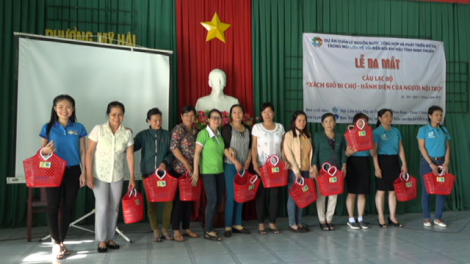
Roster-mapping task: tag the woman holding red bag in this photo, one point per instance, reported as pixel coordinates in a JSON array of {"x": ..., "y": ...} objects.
[
  {"x": 298, "y": 150},
  {"x": 267, "y": 141},
  {"x": 388, "y": 146},
  {"x": 64, "y": 136},
  {"x": 183, "y": 145},
  {"x": 357, "y": 181},
  {"x": 154, "y": 144},
  {"x": 329, "y": 146},
  {"x": 237, "y": 141},
  {"x": 434, "y": 145},
  {"x": 109, "y": 145}
]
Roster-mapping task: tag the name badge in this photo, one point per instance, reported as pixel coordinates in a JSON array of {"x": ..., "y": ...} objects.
[
  {"x": 251, "y": 187},
  {"x": 276, "y": 169},
  {"x": 137, "y": 202},
  {"x": 409, "y": 184},
  {"x": 362, "y": 133},
  {"x": 161, "y": 183},
  {"x": 45, "y": 164},
  {"x": 305, "y": 188},
  {"x": 333, "y": 179}
]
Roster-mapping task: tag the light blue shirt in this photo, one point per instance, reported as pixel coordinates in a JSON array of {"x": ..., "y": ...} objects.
[
  {"x": 388, "y": 140},
  {"x": 66, "y": 140},
  {"x": 365, "y": 153},
  {"x": 435, "y": 138}
]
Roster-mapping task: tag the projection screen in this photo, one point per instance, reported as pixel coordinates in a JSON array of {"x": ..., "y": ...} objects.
[{"x": 93, "y": 74}]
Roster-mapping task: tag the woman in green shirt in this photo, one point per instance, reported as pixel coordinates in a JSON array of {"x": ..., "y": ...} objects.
[
  {"x": 154, "y": 144},
  {"x": 209, "y": 156},
  {"x": 329, "y": 146}
]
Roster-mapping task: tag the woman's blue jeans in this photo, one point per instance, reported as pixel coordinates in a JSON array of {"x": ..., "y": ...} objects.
[
  {"x": 440, "y": 199},
  {"x": 233, "y": 210},
  {"x": 293, "y": 211}
]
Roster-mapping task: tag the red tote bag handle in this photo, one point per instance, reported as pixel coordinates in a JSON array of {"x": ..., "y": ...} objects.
[
  {"x": 404, "y": 176},
  {"x": 363, "y": 122},
  {"x": 330, "y": 168},
  {"x": 156, "y": 174}
]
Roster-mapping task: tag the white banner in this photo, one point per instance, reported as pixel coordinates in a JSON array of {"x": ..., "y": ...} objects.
[{"x": 345, "y": 75}]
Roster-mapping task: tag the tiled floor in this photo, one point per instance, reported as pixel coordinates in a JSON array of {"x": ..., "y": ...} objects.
[{"x": 411, "y": 244}]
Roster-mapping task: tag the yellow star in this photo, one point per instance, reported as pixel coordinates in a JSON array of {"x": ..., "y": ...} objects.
[{"x": 216, "y": 28}]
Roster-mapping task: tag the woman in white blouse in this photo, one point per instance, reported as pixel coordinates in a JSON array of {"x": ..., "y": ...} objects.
[
  {"x": 267, "y": 139},
  {"x": 107, "y": 145}
]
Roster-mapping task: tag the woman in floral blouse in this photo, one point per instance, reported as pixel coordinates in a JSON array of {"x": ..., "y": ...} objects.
[{"x": 183, "y": 144}]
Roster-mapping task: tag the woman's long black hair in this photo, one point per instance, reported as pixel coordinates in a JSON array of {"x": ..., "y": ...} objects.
[{"x": 55, "y": 117}]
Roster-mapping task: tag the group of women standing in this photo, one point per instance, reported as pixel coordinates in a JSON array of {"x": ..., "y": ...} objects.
[{"x": 216, "y": 156}]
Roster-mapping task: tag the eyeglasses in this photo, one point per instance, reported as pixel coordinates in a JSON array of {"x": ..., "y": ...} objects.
[{"x": 215, "y": 117}]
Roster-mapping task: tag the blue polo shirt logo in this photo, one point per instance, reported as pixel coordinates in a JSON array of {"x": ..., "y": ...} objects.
[
  {"x": 72, "y": 132},
  {"x": 431, "y": 134},
  {"x": 384, "y": 136}
]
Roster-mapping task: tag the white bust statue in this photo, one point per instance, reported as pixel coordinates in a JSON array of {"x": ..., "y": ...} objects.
[{"x": 217, "y": 99}]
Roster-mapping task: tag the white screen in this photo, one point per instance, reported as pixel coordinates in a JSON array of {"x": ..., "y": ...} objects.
[{"x": 93, "y": 75}]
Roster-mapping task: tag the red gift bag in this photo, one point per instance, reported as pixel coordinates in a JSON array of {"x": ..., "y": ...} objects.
[
  {"x": 304, "y": 192},
  {"x": 274, "y": 173},
  {"x": 160, "y": 188},
  {"x": 133, "y": 207},
  {"x": 443, "y": 183},
  {"x": 360, "y": 136},
  {"x": 331, "y": 181},
  {"x": 406, "y": 187},
  {"x": 188, "y": 192},
  {"x": 246, "y": 186},
  {"x": 44, "y": 171}
]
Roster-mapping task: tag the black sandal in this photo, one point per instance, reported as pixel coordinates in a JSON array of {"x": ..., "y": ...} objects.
[
  {"x": 112, "y": 245},
  {"x": 390, "y": 222},
  {"x": 213, "y": 238},
  {"x": 275, "y": 230},
  {"x": 262, "y": 231},
  {"x": 304, "y": 226},
  {"x": 381, "y": 225},
  {"x": 331, "y": 226},
  {"x": 241, "y": 231},
  {"x": 324, "y": 227},
  {"x": 298, "y": 230},
  {"x": 102, "y": 249}
]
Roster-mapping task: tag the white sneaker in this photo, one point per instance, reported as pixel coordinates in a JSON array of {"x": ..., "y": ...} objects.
[
  {"x": 363, "y": 225},
  {"x": 427, "y": 223},
  {"x": 439, "y": 223},
  {"x": 353, "y": 225}
]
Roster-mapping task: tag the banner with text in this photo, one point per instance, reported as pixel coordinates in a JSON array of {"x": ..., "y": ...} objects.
[{"x": 345, "y": 75}]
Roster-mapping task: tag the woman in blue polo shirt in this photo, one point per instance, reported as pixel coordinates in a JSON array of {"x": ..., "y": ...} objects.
[
  {"x": 389, "y": 148},
  {"x": 66, "y": 138},
  {"x": 434, "y": 145}
]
